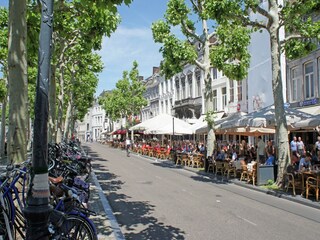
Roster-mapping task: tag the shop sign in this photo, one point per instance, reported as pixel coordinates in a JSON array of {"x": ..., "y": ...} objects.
[{"x": 308, "y": 102}]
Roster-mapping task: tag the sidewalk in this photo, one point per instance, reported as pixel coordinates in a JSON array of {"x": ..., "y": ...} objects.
[{"x": 105, "y": 222}]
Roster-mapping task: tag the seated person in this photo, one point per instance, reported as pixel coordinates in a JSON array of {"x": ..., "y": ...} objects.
[
  {"x": 221, "y": 156},
  {"x": 314, "y": 159},
  {"x": 202, "y": 149},
  {"x": 305, "y": 162},
  {"x": 270, "y": 160},
  {"x": 234, "y": 156}
]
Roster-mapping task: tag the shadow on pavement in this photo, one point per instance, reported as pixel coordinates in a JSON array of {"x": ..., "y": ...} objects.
[{"x": 133, "y": 216}]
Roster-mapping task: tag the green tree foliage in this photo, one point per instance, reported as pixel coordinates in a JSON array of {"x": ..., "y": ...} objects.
[
  {"x": 3, "y": 51},
  {"x": 176, "y": 52},
  {"x": 126, "y": 100},
  {"x": 179, "y": 52},
  {"x": 235, "y": 23}
]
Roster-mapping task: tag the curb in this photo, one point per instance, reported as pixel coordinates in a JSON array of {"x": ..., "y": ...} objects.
[
  {"x": 107, "y": 209},
  {"x": 283, "y": 195}
]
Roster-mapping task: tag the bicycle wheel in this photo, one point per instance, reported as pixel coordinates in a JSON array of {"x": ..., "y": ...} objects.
[
  {"x": 6, "y": 211},
  {"x": 76, "y": 228}
]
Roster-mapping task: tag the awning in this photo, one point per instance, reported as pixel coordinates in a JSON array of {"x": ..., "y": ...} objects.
[
  {"x": 202, "y": 128},
  {"x": 119, "y": 132},
  {"x": 314, "y": 110}
]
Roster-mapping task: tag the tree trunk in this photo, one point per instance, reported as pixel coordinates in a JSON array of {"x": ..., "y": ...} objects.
[
  {"x": 211, "y": 141},
  {"x": 18, "y": 82},
  {"x": 60, "y": 104},
  {"x": 67, "y": 122},
  {"x": 3, "y": 130},
  {"x": 52, "y": 106},
  {"x": 72, "y": 121},
  {"x": 281, "y": 123}
]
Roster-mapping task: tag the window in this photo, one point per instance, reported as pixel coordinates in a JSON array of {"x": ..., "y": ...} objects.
[
  {"x": 162, "y": 107},
  {"x": 239, "y": 91},
  {"x": 214, "y": 73},
  {"x": 198, "y": 77},
  {"x": 231, "y": 89},
  {"x": 296, "y": 85},
  {"x": 214, "y": 100},
  {"x": 177, "y": 89},
  {"x": 224, "y": 97},
  {"x": 190, "y": 85},
  {"x": 308, "y": 80},
  {"x": 183, "y": 82}
]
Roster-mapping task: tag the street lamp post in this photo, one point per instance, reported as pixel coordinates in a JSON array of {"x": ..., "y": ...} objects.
[
  {"x": 172, "y": 127},
  {"x": 172, "y": 113},
  {"x": 38, "y": 209}
]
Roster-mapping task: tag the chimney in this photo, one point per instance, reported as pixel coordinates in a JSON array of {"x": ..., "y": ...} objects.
[{"x": 155, "y": 70}]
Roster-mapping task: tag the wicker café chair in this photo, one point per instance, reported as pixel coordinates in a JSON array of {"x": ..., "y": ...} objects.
[
  {"x": 184, "y": 159},
  {"x": 230, "y": 170},
  {"x": 197, "y": 161},
  {"x": 220, "y": 165},
  {"x": 313, "y": 184},
  {"x": 291, "y": 180},
  {"x": 249, "y": 174}
]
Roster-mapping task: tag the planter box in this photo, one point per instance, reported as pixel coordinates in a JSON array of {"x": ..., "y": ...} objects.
[{"x": 264, "y": 173}]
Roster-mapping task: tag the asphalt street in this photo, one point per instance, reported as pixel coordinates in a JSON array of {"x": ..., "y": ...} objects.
[{"x": 152, "y": 200}]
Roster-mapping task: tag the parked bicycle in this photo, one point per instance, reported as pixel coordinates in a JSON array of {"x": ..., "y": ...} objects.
[{"x": 68, "y": 220}]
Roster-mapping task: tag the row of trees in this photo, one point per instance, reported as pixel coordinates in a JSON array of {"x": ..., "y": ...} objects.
[
  {"x": 79, "y": 26},
  {"x": 226, "y": 47},
  {"x": 127, "y": 99}
]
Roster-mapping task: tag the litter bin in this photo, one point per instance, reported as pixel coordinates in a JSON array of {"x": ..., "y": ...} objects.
[{"x": 264, "y": 173}]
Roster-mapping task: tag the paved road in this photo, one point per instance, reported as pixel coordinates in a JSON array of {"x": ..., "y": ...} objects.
[{"x": 155, "y": 201}]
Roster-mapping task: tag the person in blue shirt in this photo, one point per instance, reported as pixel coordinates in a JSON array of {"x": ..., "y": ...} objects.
[
  {"x": 221, "y": 156},
  {"x": 293, "y": 146},
  {"x": 305, "y": 162},
  {"x": 270, "y": 160}
]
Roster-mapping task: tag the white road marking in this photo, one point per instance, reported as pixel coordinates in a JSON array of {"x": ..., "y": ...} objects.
[{"x": 246, "y": 220}]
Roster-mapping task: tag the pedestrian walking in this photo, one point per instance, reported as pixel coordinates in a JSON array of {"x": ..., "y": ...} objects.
[{"x": 128, "y": 144}]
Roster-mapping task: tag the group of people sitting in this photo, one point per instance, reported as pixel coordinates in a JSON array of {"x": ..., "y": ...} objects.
[
  {"x": 302, "y": 159},
  {"x": 261, "y": 152}
]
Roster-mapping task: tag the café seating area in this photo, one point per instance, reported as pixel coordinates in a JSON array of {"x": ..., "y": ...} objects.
[{"x": 306, "y": 182}]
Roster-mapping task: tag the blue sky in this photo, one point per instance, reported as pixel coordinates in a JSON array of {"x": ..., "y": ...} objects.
[{"x": 131, "y": 41}]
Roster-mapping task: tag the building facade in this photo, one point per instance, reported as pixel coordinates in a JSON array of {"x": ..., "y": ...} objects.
[
  {"x": 93, "y": 124},
  {"x": 152, "y": 95},
  {"x": 303, "y": 81}
]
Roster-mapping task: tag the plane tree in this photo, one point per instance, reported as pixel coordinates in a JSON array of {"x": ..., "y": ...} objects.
[
  {"x": 237, "y": 19},
  {"x": 192, "y": 48},
  {"x": 126, "y": 100}
]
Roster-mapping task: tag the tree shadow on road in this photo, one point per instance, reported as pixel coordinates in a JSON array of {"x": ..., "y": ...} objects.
[
  {"x": 133, "y": 216},
  {"x": 136, "y": 217},
  {"x": 93, "y": 155}
]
